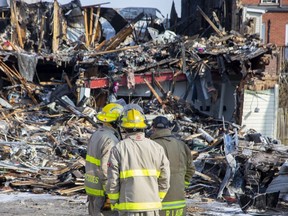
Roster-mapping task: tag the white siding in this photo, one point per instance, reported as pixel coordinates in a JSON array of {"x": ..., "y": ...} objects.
[
  {"x": 265, "y": 120},
  {"x": 286, "y": 35}
]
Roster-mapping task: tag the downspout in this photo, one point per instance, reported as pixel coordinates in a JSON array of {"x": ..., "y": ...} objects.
[{"x": 268, "y": 31}]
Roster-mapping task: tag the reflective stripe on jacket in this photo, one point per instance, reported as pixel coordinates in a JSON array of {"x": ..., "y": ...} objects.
[
  {"x": 138, "y": 174},
  {"x": 181, "y": 167},
  {"x": 98, "y": 151}
]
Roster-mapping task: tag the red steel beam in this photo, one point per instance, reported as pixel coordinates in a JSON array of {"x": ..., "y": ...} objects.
[{"x": 96, "y": 83}]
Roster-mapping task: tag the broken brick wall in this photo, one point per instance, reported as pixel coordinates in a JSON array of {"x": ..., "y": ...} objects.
[{"x": 272, "y": 68}]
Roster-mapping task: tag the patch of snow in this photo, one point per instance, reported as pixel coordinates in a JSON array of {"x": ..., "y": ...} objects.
[{"x": 11, "y": 197}]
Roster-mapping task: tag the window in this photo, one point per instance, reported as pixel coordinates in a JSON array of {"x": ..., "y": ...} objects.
[{"x": 269, "y": 1}]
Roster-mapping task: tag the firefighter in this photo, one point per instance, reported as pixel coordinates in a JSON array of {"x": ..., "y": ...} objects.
[
  {"x": 98, "y": 151},
  {"x": 138, "y": 170},
  {"x": 181, "y": 167}
]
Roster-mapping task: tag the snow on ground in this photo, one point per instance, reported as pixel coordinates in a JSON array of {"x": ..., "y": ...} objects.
[
  {"x": 27, "y": 204},
  {"x": 197, "y": 207}
]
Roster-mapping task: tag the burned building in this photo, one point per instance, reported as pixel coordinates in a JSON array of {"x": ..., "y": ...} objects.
[
  {"x": 59, "y": 67},
  {"x": 225, "y": 13}
]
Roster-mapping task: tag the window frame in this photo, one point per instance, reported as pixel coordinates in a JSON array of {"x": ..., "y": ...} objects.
[{"x": 269, "y": 3}]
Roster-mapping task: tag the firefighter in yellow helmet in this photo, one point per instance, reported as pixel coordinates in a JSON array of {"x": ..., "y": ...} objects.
[
  {"x": 181, "y": 167},
  {"x": 138, "y": 170},
  {"x": 98, "y": 151}
]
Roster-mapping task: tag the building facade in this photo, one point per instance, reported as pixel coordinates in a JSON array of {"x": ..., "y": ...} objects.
[{"x": 270, "y": 19}]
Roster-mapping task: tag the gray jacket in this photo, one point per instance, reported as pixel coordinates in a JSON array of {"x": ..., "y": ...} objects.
[{"x": 98, "y": 151}]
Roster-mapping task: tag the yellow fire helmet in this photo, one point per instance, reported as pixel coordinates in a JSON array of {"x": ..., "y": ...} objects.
[
  {"x": 133, "y": 119},
  {"x": 110, "y": 113}
]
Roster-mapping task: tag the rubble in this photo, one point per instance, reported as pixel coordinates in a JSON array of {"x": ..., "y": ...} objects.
[{"x": 46, "y": 122}]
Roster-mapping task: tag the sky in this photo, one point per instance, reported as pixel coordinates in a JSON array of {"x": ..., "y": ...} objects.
[{"x": 163, "y": 5}]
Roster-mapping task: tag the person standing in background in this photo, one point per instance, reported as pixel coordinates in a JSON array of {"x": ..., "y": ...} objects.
[{"x": 181, "y": 167}]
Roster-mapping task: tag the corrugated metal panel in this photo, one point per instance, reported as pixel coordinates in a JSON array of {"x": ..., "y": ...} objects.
[{"x": 259, "y": 111}]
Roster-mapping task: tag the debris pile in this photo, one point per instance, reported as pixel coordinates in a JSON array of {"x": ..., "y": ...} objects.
[{"x": 43, "y": 151}]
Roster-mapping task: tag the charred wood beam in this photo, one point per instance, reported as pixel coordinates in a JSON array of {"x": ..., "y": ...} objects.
[
  {"x": 41, "y": 33},
  {"x": 210, "y": 22},
  {"x": 121, "y": 35},
  {"x": 217, "y": 20}
]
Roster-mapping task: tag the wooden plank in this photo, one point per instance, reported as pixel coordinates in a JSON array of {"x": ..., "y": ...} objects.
[
  {"x": 86, "y": 27},
  {"x": 95, "y": 26},
  {"x": 12, "y": 21},
  {"x": 31, "y": 183},
  {"x": 70, "y": 190},
  {"x": 153, "y": 91},
  {"x": 119, "y": 38},
  {"x": 113, "y": 42},
  {"x": 56, "y": 26},
  {"x": 18, "y": 28},
  {"x": 59, "y": 172},
  {"x": 205, "y": 177},
  {"x": 51, "y": 83},
  {"x": 193, "y": 136},
  {"x": 91, "y": 24}
]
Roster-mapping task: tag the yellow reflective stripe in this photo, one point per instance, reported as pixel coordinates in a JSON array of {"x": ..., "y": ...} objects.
[
  {"x": 143, "y": 172},
  {"x": 138, "y": 206},
  {"x": 112, "y": 206},
  {"x": 114, "y": 196},
  {"x": 187, "y": 183},
  {"x": 162, "y": 195},
  {"x": 94, "y": 192},
  {"x": 174, "y": 204},
  {"x": 93, "y": 160}
]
